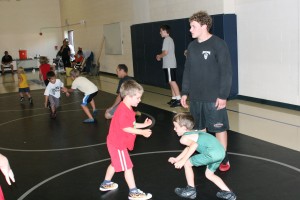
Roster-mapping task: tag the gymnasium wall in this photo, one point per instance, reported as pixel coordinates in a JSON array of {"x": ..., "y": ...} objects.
[
  {"x": 268, "y": 49},
  {"x": 20, "y": 26},
  {"x": 147, "y": 43},
  {"x": 128, "y": 12},
  {"x": 267, "y": 39}
]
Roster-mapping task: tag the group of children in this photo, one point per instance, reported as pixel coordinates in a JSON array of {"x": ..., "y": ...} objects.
[
  {"x": 55, "y": 86},
  {"x": 124, "y": 129},
  {"x": 122, "y": 134}
]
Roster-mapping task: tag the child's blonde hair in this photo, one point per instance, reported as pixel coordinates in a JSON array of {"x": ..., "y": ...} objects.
[
  {"x": 21, "y": 70},
  {"x": 130, "y": 88},
  {"x": 44, "y": 60},
  {"x": 184, "y": 119},
  {"x": 74, "y": 73}
]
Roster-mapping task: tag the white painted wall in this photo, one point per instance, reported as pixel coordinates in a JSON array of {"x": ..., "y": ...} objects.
[
  {"x": 127, "y": 12},
  {"x": 268, "y": 49},
  {"x": 20, "y": 26},
  {"x": 268, "y": 34}
]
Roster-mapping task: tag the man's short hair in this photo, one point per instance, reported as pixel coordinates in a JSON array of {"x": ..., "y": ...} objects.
[
  {"x": 123, "y": 67},
  {"x": 166, "y": 28},
  {"x": 202, "y": 18}
]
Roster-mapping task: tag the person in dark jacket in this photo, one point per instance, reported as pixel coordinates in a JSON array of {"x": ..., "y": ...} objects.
[{"x": 207, "y": 80}]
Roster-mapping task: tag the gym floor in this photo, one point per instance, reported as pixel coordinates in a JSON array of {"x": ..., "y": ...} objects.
[{"x": 64, "y": 159}]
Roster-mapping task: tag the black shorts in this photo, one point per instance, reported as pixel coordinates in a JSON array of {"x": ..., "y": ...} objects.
[
  {"x": 206, "y": 116},
  {"x": 170, "y": 74}
]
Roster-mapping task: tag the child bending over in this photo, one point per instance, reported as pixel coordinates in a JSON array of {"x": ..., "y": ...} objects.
[
  {"x": 210, "y": 153},
  {"x": 89, "y": 89}
]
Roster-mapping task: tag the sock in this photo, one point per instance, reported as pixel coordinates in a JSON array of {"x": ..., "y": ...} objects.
[
  {"x": 174, "y": 98},
  {"x": 106, "y": 181},
  {"x": 132, "y": 190},
  {"x": 226, "y": 159},
  {"x": 178, "y": 97}
]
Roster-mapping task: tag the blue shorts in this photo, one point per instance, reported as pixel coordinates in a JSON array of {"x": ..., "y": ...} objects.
[
  {"x": 208, "y": 117},
  {"x": 24, "y": 89},
  {"x": 88, "y": 98}
]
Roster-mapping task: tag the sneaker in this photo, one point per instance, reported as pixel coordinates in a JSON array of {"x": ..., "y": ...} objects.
[
  {"x": 139, "y": 195},
  {"x": 53, "y": 115},
  {"x": 21, "y": 99},
  {"x": 171, "y": 101},
  {"x": 226, "y": 195},
  {"x": 176, "y": 103},
  {"x": 187, "y": 192},
  {"x": 30, "y": 100},
  {"x": 88, "y": 120},
  {"x": 108, "y": 186},
  {"x": 224, "y": 167}
]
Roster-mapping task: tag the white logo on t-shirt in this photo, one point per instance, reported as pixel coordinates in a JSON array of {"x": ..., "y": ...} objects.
[{"x": 205, "y": 54}]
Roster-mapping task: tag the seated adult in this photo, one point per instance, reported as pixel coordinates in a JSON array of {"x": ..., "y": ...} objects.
[
  {"x": 7, "y": 62},
  {"x": 78, "y": 58}
]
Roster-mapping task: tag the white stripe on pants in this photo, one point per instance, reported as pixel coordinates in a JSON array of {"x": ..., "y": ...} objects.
[{"x": 122, "y": 160}]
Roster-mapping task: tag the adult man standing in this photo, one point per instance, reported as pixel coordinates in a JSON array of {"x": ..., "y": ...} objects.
[
  {"x": 7, "y": 62},
  {"x": 207, "y": 80},
  {"x": 65, "y": 53}
]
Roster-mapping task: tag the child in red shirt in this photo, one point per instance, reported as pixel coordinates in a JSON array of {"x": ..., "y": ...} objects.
[
  {"x": 44, "y": 68},
  {"x": 122, "y": 133}
]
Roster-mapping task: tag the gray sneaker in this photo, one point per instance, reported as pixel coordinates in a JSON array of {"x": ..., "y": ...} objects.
[
  {"x": 139, "y": 195},
  {"x": 226, "y": 195},
  {"x": 187, "y": 192},
  {"x": 108, "y": 186}
]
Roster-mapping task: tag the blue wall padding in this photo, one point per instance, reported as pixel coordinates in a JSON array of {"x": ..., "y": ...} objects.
[{"x": 147, "y": 43}]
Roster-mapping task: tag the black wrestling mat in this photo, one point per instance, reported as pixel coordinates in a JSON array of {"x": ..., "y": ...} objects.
[{"x": 65, "y": 159}]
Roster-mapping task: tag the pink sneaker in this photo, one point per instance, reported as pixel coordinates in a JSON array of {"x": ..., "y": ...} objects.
[{"x": 224, "y": 167}]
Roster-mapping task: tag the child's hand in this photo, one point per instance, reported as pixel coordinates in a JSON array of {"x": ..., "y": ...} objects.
[
  {"x": 65, "y": 90},
  {"x": 146, "y": 132},
  {"x": 158, "y": 58},
  {"x": 6, "y": 170},
  {"x": 172, "y": 160},
  {"x": 179, "y": 164},
  {"x": 147, "y": 122}
]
